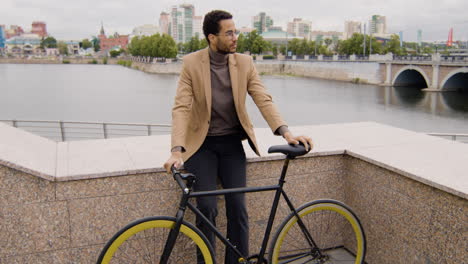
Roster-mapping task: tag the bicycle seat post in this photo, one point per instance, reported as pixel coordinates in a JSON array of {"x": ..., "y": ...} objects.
[{"x": 284, "y": 170}]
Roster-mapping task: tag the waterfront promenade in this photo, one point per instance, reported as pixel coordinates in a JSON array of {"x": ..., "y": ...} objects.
[
  {"x": 60, "y": 201},
  {"x": 436, "y": 73}
]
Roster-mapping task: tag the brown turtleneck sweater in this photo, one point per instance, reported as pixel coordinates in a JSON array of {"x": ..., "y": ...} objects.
[{"x": 224, "y": 120}]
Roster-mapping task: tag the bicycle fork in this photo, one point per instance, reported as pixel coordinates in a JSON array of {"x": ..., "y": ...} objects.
[{"x": 172, "y": 237}]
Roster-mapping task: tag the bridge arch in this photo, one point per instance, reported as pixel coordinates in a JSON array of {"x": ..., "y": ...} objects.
[
  {"x": 411, "y": 76},
  {"x": 456, "y": 80}
]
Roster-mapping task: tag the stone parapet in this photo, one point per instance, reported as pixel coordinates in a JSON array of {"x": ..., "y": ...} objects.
[{"x": 60, "y": 202}]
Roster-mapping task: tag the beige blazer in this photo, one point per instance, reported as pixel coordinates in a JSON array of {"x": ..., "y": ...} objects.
[{"x": 191, "y": 113}]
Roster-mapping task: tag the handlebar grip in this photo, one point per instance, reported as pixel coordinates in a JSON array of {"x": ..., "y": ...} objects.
[{"x": 178, "y": 178}]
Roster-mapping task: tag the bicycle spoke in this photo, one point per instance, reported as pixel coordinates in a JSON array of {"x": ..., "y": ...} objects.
[{"x": 331, "y": 231}]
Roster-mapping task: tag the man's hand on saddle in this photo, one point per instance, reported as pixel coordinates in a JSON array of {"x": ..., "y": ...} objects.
[{"x": 294, "y": 140}]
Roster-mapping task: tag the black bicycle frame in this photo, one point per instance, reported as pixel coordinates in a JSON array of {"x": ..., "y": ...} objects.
[{"x": 184, "y": 203}]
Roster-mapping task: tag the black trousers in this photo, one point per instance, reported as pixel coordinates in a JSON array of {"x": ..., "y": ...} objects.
[{"x": 223, "y": 158}]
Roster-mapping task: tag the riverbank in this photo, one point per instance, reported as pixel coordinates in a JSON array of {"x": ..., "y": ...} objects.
[
  {"x": 355, "y": 72},
  {"x": 59, "y": 60}
]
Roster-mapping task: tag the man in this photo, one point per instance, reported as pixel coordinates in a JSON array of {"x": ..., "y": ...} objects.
[{"x": 209, "y": 122}]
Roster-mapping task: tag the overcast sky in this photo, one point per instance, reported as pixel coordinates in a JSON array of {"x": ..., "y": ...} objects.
[{"x": 80, "y": 19}]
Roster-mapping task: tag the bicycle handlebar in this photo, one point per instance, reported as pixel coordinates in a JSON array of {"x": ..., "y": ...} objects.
[{"x": 180, "y": 178}]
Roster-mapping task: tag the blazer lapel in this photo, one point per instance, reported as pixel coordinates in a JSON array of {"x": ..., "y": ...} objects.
[
  {"x": 234, "y": 80},
  {"x": 205, "y": 61}
]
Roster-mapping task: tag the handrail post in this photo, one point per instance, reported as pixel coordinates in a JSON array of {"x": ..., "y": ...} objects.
[
  {"x": 62, "y": 130},
  {"x": 104, "y": 128},
  {"x": 14, "y": 123},
  {"x": 149, "y": 130}
]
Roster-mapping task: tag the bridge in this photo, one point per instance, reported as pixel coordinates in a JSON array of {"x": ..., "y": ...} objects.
[
  {"x": 431, "y": 72},
  {"x": 435, "y": 73}
]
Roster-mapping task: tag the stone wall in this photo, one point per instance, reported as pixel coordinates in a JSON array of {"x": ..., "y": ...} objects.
[
  {"x": 351, "y": 71},
  {"x": 405, "y": 221},
  {"x": 362, "y": 72},
  {"x": 56, "y": 60},
  {"x": 69, "y": 222}
]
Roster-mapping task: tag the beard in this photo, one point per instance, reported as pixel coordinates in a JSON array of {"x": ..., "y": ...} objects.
[{"x": 223, "y": 48}]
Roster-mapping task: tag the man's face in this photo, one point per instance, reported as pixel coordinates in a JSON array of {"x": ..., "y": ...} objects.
[{"x": 226, "y": 39}]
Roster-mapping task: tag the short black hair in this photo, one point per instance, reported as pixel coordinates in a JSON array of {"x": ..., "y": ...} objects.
[{"x": 211, "y": 22}]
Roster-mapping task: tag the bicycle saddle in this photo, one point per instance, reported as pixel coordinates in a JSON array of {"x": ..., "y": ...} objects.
[{"x": 291, "y": 151}]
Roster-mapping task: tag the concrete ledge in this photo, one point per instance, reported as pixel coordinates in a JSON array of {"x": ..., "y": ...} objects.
[{"x": 433, "y": 161}]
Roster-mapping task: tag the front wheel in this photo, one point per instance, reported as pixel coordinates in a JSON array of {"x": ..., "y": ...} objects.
[
  {"x": 143, "y": 241},
  {"x": 329, "y": 232}
]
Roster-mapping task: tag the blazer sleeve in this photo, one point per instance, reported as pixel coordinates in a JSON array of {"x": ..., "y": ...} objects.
[
  {"x": 263, "y": 100},
  {"x": 181, "y": 109}
]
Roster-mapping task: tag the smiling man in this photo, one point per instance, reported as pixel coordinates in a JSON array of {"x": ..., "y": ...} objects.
[{"x": 209, "y": 122}]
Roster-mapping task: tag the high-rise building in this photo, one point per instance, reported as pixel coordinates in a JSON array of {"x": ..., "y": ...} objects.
[
  {"x": 262, "y": 22},
  {"x": 351, "y": 27},
  {"x": 198, "y": 27},
  {"x": 378, "y": 25},
  {"x": 2, "y": 37},
  {"x": 39, "y": 28},
  {"x": 164, "y": 21},
  {"x": 245, "y": 30},
  {"x": 144, "y": 30},
  {"x": 419, "y": 37},
  {"x": 300, "y": 28},
  {"x": 181, "y": 27}
]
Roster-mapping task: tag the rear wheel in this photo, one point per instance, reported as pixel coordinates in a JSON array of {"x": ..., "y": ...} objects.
[
  {"x": 336, "y": 235},
  {"x": 143, "y": 242}
]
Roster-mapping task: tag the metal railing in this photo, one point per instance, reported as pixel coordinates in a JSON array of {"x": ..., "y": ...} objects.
[
  {"x": 76, "y": 130},
  {"x": 455, "y": 137},
  {"x": 412, "y": 58}
]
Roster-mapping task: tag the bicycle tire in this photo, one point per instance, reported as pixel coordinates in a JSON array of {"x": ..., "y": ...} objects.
[
  {"x": 143, "y": 240},
  {"x": 333, "y": 226}
]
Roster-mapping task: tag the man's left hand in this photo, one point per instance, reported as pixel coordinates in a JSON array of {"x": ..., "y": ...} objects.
[{"x": 294, "y": 140}]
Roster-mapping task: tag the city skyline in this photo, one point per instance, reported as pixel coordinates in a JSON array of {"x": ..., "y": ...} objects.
[{"x": 78, "y": 20}]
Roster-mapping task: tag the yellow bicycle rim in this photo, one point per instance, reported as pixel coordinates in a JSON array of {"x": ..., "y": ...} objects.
[
  {"x": 318, "y": 207},
  {"x": 158, "y": 224}
]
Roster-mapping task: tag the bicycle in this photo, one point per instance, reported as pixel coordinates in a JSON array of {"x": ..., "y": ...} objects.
[{"x": 320, "y": 231}]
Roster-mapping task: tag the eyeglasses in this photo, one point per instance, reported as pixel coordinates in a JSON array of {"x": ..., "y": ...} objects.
[{"x": 231, "y": 34}]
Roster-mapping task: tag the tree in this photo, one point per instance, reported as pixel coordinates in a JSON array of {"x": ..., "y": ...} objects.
[
  {"x": 95, "y": 42},
  {"x": 155, "y": 41},
  {"x": 86, "y": 44},
  {"x": 352, "y": 45},
  {"x": 154, "y": 46},
  {"x": 134, "y": 46},
  {"x": 193, "y": 45},
  {"x": 203, "y": 43},
  {"x": 282, "y": 49},
  {"x": 241, "y": 44},
  {"x": 49, "y": 42},
  {"x": 427, "y": 50},
  {"x": 168, "y": 47},
  {"x": 274, "y": 49},
  {"x": 145, "y": 46},
  {"x": 255, "y": 43},
  {"x": 115, "y": 53},
  {"x": 393, "y": 45},
  {"x": 311, "y": 47},
  {"x": 293, "y": 46},
  {"x": 62, "y": 47},
  {"x": 377, "y": 47}
]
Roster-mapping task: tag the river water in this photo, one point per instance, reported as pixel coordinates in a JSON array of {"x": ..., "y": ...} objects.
[{"x": 111, "y": 93}]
